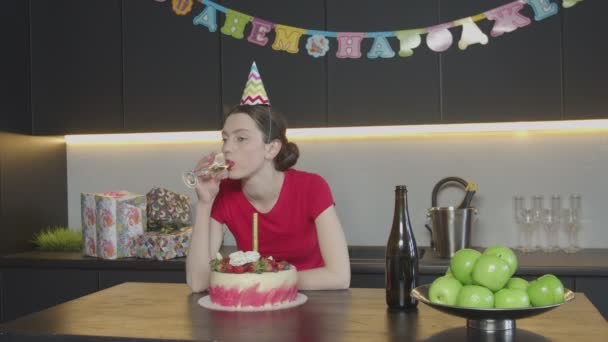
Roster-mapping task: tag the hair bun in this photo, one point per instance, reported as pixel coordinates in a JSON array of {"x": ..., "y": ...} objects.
[{"x": 287, "y": 157}]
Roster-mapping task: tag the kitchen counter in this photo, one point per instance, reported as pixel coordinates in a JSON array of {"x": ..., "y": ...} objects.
[
  {"x": 587, "y": 262},
  {"x": 33, "y": 281},
  {"x": 170, "y": 312},
  {"x": 364, "y": 260}
]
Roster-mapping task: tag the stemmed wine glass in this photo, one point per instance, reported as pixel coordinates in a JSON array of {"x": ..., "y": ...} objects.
[
  {"x": 538, "y": 211},
  {"x": 551, "y": 222},
  {"x": 525, "y": 223},
  {"x": 518, "y": 207},
  {"x": 190, "y": 177},
  {"x": 573, "y": 223}
]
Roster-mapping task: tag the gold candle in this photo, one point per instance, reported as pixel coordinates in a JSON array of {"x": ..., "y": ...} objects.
[{"x": 255, "y": 232}]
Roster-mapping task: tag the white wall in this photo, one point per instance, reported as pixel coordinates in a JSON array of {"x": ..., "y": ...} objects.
[{"x": 363, "y": 173}]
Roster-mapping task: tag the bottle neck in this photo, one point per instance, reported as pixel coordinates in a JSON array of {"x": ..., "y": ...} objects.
[
  {"x": 402, "y": 228},
  {"x": 401, "y": 212}
]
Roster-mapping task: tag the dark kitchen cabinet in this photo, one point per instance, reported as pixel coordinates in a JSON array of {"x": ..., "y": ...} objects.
[
  {"x": 171, "y": 68},
  {"x": 100, "y": 66},
  {"x": 35, "y": 280},
  {"x": 1, "y": 299},
  {"x": 374, "y": 281},
  {"x": 585, "y": 67},
  {"x": 3, "y": 141},
  {"x": 427, "y": 279},
  {"x": 377, "y": 280},
  {"x": 515, "y": 77},
  {"x": 109, "y": 278},
  {"x": 76, "y": 48},
  {"x": 595, "y": 289},
  {"x": 295, "y": 83},
  {"x": 14, "y": 67},
  {"x": 61, "y": 274},
  {"x": 381, "y": 91},
  {"x": 27, "y": 290}
]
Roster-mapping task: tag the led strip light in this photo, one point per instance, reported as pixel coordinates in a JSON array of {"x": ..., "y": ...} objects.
[{"x": 364, "y": 132}]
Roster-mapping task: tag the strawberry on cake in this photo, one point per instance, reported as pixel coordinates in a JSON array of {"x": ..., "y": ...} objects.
[{"x": 245, "y": 280}]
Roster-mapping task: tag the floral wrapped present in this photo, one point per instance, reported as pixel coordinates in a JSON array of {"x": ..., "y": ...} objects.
[
  {"x": 111, "y": 222},
  {"x": 89, "y": 224},
  {"x": 161, "y": 246},
  {"x": 167, "y": 211}
]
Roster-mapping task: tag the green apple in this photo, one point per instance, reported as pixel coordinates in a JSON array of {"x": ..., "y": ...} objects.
[
  {"x": 492, "y": 272},
  {"x": 547, "y": 290},
  {"x": 556, "y": 286},
  {"x": 448, "y": 273},
  {"x": 475, "y": 296},
  {"x": 505, "y": 253},
  {"x": 517, "y": 283},
  {"x": 511, "y": 298},
  {"x": 539, "y": 293},
  {"x": 444, "y": 290},
  {"x": 462, "y": 264}
]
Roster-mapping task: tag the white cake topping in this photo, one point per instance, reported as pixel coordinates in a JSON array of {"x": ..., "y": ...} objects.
[{"x": 241, "y": 258}]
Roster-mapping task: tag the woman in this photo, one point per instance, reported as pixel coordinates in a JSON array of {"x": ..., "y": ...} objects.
[{"x": 297, "y": 219}]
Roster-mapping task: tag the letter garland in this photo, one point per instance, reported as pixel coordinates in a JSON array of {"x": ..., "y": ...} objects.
[{"x": 438, "y": 37}]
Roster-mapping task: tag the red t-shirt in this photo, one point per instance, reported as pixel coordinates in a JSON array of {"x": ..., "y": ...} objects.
[{"x": 288, "y": 231}]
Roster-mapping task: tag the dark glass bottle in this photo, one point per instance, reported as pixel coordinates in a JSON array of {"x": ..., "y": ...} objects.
[{"x": 401, "y": 257}]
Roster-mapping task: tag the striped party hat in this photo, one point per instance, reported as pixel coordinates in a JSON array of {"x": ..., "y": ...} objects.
[{"x": 254, "y": 92}]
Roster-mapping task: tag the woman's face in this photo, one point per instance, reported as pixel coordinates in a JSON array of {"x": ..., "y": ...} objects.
[{"x": 243, "y": 145}]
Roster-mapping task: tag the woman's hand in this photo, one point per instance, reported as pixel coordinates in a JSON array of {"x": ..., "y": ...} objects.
[{"x": 208, "y": 183}]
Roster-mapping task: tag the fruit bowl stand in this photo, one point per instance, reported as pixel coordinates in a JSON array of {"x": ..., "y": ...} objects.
[{"x": 488, "y": 319}]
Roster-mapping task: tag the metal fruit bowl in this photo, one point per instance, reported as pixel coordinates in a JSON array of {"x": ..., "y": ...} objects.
[{"x": 488, "y": 319}]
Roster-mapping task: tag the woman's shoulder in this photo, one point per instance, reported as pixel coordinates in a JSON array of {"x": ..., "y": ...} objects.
[{"x": 305, "y": 177}]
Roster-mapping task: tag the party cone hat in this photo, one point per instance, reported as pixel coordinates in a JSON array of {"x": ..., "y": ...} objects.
[{"x": 254, "y": 92}]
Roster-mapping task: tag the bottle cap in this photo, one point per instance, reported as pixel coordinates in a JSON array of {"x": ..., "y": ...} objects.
[{"x": 401, "y": 187}]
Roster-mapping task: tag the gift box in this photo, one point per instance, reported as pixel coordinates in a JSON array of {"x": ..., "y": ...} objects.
[
  {"x": 111, "y": 221},
  {"x": 89, "y": 224},
  {"x": 162, "y": 246},
  {"x": 167, "y": 211}
]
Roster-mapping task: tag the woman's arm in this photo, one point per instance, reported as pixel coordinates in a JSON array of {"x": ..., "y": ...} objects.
[
  {"x": 205, "y": 243},
  {"x": 332, "y": 242},
  {"x": 207, "y": 232}
]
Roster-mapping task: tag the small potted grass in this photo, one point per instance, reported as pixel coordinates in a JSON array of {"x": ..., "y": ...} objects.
[{"x": 59, "y": 239}]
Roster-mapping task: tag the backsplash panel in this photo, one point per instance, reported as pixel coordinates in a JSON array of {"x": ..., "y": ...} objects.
[{"x": 363, "y": 173}]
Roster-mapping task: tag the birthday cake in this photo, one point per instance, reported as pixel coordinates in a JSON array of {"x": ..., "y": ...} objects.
[{"x": 246, "y": 280}]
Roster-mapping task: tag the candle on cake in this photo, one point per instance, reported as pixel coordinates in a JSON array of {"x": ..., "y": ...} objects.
[{"x": 255, "y": 232}]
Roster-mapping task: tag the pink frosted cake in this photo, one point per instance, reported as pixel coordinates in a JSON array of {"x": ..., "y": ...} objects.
[{"x": 244, "y": 280}]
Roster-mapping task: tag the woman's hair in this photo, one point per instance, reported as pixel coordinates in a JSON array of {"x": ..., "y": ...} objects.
[{"x": 273, "y": 126}]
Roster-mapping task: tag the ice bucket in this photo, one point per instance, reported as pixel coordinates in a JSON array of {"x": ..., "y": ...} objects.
[{"x": 450, "y": 229}]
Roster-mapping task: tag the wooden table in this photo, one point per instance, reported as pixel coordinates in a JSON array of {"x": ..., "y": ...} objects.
[{"x": 171, "y": 312}]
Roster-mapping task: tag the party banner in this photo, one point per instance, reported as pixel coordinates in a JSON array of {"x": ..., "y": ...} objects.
[{"x": 507, "y": 18}]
